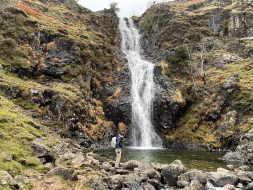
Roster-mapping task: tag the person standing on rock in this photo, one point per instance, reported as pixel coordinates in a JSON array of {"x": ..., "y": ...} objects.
[{"x": 118, "y": 149}]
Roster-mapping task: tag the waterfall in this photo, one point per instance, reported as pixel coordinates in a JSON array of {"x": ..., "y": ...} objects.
[{"x": 142, "y": 88}]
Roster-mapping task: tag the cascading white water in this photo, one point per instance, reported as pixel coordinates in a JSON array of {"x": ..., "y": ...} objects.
[{"x": 142, "y": 90}]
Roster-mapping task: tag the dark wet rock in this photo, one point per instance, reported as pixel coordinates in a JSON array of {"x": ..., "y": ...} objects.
[
  {"x": 168, "y": 102},
  {"x": 220, "y": 179},
  {"x": 118, "y": 107},
  {"x": 172, "y": 171},
  {"x": 65, "y": 173}
]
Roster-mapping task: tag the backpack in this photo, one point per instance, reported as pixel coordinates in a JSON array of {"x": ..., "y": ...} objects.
[{"x": 113, "y": 142}]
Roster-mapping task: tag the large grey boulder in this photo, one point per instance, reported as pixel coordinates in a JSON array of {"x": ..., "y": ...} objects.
[
  {"x": 220, "y": 179},
  {"x": 172, "y": 171},
  {"x": 194, "y": 174},
  {"x": 6, "y": 178},
  {"x": 65, "y": 173}
]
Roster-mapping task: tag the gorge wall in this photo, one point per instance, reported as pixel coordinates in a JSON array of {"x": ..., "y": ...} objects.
[
  {"x": 65, "y": 85},
  {"x": 183, "y": 35}
]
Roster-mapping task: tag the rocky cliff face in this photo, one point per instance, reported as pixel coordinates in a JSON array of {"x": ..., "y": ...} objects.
[
  {"x": 57, "y": 61},
  {"x": 205, "y": 54}
]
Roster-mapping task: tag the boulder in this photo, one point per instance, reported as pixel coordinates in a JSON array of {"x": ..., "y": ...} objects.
[
  {"x": 220, "y": 179},
  {"x": 43, "y": 152},
  {"x": 196, "y": 185},
  {"x": 21, "y": 181},
  {"x": 194, "y": 174},
  {"x": 243, "y": 153},
  {"x": 172, "y": 171},
  {"x": 249, "y": 186},
  {"x": 78, "y": 161},
  {"x": 244, "y": 168},
  {"x": 115, "y": 182},
  {"x": 6, "y": 178},
  {"x": 122, "y": 172},
  {"x": 131, "y": 165},
  {"x": 148, "y": 187},
  {"x": 229, "y": 187},
  {"x": 106, "y": 166},
  {"x": 231, "y": 167},
  {"x": 222, "y": 170},
  {"x": 68, "y": 156},
  {"x": 153, "y": 174},
  {"x": 65, "y": 173},
  {"x": 244, "y": 177},
  {"x": 155, "y": 183},
  {"x": 92, "y": 160},
  {"x": 159, "y": 167}
]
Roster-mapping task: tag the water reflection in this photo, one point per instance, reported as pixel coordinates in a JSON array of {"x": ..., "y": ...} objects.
[{"x": 192, "y": 159}]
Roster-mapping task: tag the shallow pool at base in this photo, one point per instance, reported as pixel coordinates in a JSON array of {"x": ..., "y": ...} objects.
[{"x": 191, "y": 159}]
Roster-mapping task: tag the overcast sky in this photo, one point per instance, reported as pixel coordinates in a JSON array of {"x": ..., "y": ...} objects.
[{"x": 128, "y": 8}]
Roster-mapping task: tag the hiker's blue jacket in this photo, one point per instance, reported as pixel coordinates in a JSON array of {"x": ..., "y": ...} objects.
[{"x": 118, "y": 142}]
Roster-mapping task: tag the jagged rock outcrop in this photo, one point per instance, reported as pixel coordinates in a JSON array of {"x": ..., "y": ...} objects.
[{"x": 179, "y": 35}]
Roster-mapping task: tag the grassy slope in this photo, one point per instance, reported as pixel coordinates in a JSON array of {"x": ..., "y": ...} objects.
[{"x": 21, "y": 120}]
